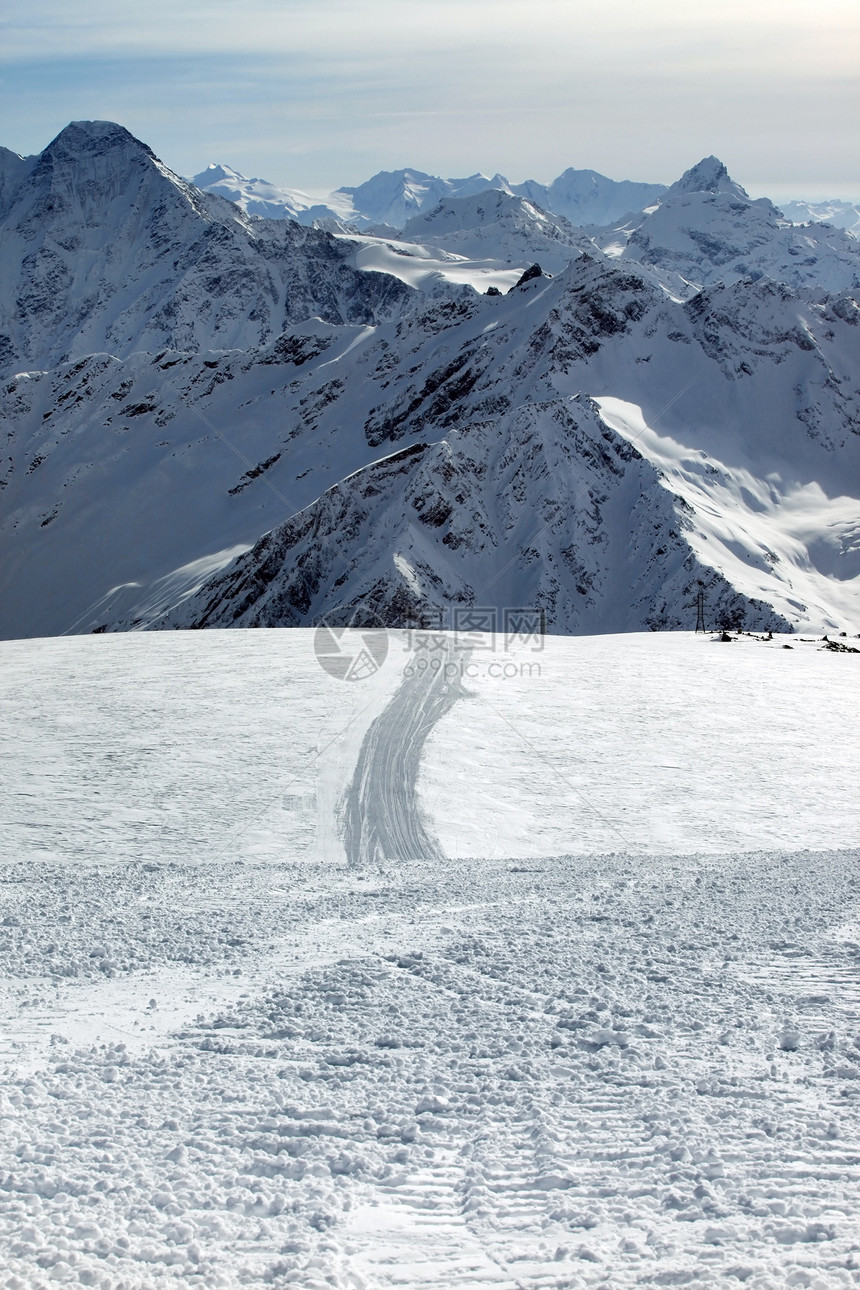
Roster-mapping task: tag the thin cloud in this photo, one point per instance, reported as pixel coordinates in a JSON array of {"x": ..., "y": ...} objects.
[
  {"x": 790, "y": 33},
  {"x": 318, "y": 92}
]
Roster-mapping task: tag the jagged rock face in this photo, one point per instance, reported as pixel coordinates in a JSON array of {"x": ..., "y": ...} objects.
[
  {"x": 544, "y": 508},
  {"x": 116, "y": 253},
  {"x": 708, "y": 176},
  {"x": 454, "y": 457},
  {"x": 585, "y": 444}
]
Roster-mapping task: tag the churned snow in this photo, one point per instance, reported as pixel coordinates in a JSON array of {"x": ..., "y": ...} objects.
[{"x": 610, "y": 1041}]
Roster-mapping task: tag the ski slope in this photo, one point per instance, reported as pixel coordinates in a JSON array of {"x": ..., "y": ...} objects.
[{"x": 603, "y": 1035}]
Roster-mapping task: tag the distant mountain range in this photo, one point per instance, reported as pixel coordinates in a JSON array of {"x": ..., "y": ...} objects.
[
  {"x": 215, "y": 419},
  {"x": 839, "y": 214},
  {"x": 393, "y": 197}
]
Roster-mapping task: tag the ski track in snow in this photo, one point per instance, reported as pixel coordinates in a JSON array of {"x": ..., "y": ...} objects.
[
  {"x": 255, "y": 1065},
  {"x": 381, "y": 819}
]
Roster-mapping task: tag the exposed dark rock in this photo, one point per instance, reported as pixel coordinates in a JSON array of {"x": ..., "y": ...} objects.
[{"x": 534, "y": 271}]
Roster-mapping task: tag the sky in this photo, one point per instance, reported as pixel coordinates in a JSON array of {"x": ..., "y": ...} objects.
[{"x": 313, "y": 94}]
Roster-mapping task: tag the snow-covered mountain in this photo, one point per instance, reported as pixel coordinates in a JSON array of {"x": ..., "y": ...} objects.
[
  {"x": 267, "y": 201},
  {"x": 487, "y": 516},
  {"x": 705, "y": 228},
  {"x": 507, "y": 485},
  {"x": 591, "y": 443},
  {"x": 498, "y": 225},
  {"x": 393, "y": 197},
  {"x": 387, "y": 200},
  {"x": 539, "y": 496},
  {"x": 105, "y": 249},
  {"x": 586, "y": 197}
]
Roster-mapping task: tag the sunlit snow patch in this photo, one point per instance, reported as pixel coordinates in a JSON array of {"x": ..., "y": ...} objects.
[
  {"x": 422, "y": 267},
  {"x": 408, "y": 573},
  {"x": 782, "y": 541}
]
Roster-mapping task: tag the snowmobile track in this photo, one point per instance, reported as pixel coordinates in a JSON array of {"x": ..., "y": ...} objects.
[{"x": 380, "y": 817}]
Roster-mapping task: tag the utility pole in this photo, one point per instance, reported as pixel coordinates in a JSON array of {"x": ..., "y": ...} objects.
[
  {"x": 700, "y": 611},
  {"x": 699, "y": 605}
]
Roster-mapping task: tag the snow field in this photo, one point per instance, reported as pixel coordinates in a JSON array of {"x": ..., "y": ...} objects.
[
  {"x": 184, "y": 750},
  {"x": 426, "y": 267},
  {"x": 661, "y": 742},
  {"x": 594, "y": 1065}
]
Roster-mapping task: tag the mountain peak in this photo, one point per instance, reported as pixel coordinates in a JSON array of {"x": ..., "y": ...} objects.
[
  {"x": 81, "y": 138},
  {"x": 708, "y": 176},
  {"x": 390, "y": 181},
  {"x": 215, "y": 173}
]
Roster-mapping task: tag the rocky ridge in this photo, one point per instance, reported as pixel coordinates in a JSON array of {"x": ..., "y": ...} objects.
[{"x": 594, "y": 443}]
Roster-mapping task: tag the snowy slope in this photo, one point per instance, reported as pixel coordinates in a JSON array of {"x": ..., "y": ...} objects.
[
  {"x": 105, "y": 249},
  {"x": 595, "y": 446},
  {"x": 485, "y": 241},
  {"x": 499, "y": 226},
  {"x": 623, "y": 1054},
  {"x": 439, "y": 272},
  {"x": 240, "y": 745},
  {"x": 749, "y": 388},
  {"x": 705, "y": 229}
]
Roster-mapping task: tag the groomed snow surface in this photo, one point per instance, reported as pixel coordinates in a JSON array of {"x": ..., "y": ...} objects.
[{"x": 611, "y": 1040}]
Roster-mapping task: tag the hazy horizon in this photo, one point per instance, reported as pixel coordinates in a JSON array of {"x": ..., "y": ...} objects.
[{"x": 776, "y": 192}]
